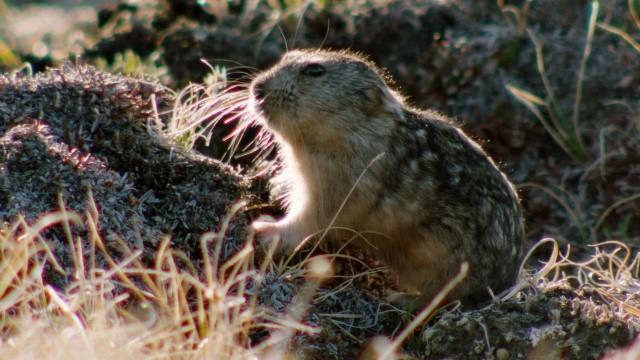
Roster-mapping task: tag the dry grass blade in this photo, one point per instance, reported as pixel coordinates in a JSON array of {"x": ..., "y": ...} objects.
[
  {"x": 519, "y": 21},
  {"x": 624, "y": 35},
  {"x": 552, "y": 103},
  {"x": 531, "y": 101},
  {"x": 525, "y": 279}
]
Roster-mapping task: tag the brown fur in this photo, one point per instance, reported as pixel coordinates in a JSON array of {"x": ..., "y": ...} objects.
[{"x": 429, "y": 192}]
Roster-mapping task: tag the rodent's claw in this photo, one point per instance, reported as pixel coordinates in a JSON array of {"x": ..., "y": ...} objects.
[
  {"x": 263, "y": 223},
  {"x": 279, "y": 234}
]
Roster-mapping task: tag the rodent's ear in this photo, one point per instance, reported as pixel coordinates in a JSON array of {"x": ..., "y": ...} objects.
[{"x": 383, "y": 100}]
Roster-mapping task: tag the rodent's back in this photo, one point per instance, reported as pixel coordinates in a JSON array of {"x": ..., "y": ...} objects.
[{"x": 465, "y": 197}]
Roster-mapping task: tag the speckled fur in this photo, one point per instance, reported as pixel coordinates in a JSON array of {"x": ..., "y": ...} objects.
[{"x": 431, "y": 200}]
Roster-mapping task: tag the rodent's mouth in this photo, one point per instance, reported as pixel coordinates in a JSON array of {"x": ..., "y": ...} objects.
[
  {"x": 270, "y": 104},
  {"x": 269, "y": 108}
]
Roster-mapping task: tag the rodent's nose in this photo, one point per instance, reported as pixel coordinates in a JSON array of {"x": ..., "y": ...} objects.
[{"x": 258, "y": 91}]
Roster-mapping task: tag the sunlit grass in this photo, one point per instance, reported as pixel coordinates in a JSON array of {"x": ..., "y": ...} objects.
[{"x": 126, "y": 309}]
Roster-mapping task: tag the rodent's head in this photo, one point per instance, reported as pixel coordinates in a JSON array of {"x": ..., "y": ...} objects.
[{"x": 318, "y": 91}]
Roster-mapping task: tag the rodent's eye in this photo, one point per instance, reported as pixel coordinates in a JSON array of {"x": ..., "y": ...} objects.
[{"x": 314, "y": 70}]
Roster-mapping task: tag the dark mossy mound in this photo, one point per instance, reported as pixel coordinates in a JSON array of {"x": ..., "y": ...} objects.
[{"x": 73, "y": 130}]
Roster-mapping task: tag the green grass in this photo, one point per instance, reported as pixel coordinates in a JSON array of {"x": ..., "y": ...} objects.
[{"x": 564, "y": 129}]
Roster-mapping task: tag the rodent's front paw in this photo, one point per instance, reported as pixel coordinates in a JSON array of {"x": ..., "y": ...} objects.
[
  {"x": 266, "y": 230},
  {"x": 279, "y": 234}
]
